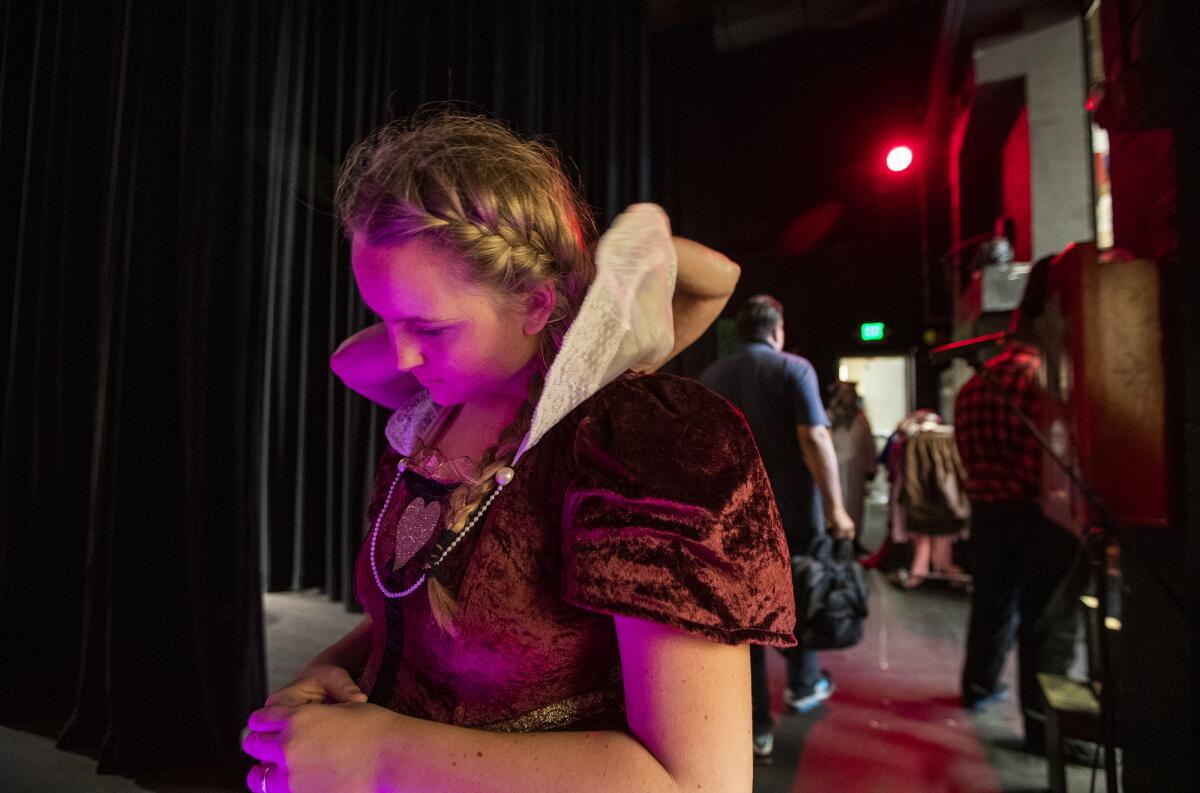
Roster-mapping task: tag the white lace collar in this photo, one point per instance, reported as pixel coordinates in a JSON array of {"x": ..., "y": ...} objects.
[{"x": 625, "y": 323}]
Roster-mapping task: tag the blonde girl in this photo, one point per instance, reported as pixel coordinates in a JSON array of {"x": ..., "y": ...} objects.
[{"x": 566, "y": 557}]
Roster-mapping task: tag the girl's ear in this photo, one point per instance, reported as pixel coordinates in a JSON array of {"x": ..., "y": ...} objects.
[{"x": 539, "y": 305}]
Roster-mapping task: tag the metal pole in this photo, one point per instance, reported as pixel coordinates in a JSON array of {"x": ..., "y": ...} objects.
[{"x": 922, "y": 204}]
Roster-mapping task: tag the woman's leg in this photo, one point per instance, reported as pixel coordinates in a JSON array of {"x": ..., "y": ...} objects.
[
  {"x": 760, "y": 691},
  {"x": 922, "y": 547},
  {"x": 943, "y": 555}
]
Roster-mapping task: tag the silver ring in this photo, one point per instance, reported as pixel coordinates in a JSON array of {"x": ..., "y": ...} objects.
[{"x": 266, "y": 770}]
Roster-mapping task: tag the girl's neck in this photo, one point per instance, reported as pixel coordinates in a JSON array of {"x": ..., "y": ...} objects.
[
  {"x": 479, "y": 422},
  {"x": 485, "y": 420}
]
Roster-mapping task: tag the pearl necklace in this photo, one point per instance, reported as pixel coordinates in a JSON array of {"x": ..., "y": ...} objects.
[{"x": 503, "y": 477}]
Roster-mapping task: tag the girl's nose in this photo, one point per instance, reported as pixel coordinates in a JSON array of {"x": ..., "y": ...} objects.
[{"x": 408, "y": 355}]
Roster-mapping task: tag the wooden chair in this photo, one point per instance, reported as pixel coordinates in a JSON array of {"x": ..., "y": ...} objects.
[{"x": 1072, "y": 711}]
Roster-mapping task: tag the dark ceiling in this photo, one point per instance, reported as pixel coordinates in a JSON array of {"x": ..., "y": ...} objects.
[
  {"x": 742, "y": 22},
  {"x": 739, "y": 23}
]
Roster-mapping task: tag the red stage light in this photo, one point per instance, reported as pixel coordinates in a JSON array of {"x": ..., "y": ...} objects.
[{"x": 899, "y": 158}]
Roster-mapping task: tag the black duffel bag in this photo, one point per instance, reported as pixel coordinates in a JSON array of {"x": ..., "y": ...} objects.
[{"x": 831, "y": 598}]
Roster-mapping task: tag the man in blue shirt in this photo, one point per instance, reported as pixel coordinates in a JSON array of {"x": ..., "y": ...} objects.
[{"x": 779, "y": 395}]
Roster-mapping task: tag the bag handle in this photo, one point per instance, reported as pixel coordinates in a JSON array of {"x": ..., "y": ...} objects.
[{"x": 843, "y": 550}]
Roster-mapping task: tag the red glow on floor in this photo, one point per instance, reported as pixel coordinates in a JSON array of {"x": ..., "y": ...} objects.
[{"x": 894, "y": 723}]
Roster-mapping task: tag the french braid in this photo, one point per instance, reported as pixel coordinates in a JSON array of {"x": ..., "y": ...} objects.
[
  {"x": 466, "y": 498},
  {"x": 506, "y": 207}
]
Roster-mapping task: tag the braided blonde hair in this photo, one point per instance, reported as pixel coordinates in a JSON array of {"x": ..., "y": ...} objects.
[{"x": 506, "y": 207}]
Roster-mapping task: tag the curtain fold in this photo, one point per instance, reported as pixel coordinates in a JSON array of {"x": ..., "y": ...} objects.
[{"x": 173, "y": 442}]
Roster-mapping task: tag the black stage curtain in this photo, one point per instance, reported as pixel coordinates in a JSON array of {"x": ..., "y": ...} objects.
[{"x": 173, "y": 442}]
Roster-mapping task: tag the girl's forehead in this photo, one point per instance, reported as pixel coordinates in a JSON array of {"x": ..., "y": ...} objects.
[
  {"x": 419, "y": 252},
  {"x": 412, "y": 278}
]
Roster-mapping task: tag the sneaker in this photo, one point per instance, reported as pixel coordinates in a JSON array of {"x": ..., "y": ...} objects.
[
  {"x": 1084, "y": 753},
  {"x": 822, "y": 691},
  {"x": 978, "y": 700},
  {"x": 763, "y": 745},
  {"x": 1074, "y": 750}
]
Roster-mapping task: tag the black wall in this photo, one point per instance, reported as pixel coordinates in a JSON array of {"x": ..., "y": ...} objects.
[{"x": 1159, "y": 683}]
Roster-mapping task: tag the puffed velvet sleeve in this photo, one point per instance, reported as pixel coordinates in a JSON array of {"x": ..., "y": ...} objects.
[{"x": 671, "y": 518}]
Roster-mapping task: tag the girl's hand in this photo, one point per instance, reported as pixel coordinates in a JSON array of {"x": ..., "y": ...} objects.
[
  {"x": 318, "y": 748},
  {"x": 318, "y": 683},
  {"x": 704, "y": 284}
]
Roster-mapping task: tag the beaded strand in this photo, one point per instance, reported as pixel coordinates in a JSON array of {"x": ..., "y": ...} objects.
[{"x": 503, "y": 477}]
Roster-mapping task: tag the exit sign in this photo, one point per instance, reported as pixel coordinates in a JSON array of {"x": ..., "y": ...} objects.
[{"x": 871, "y": 331}]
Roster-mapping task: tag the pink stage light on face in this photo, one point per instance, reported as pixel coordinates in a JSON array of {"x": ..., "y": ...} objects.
[{"x": 899, "y": 158}]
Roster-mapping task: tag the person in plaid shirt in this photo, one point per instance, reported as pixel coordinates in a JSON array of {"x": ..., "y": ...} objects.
[
  {"x": 1000, "y": 453},
  {"x": 1019, "y": 557}
]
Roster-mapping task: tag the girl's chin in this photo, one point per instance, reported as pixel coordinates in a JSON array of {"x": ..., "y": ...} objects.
[{"x": 445, "y": 395}]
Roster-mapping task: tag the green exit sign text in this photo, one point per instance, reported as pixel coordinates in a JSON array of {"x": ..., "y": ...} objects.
[{"x": 871, "y": 331}]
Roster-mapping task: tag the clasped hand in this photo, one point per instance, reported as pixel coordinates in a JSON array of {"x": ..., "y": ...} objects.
[{"x": 318, "y": 733}]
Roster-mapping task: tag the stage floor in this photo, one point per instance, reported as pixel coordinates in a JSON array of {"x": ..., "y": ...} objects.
[{"x": 892, "y": 726}]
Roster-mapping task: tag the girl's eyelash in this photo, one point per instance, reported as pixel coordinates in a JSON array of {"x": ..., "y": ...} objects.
[{"x": 430, "y": 331}]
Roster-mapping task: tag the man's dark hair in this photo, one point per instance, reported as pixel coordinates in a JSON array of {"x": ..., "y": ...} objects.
[
  {"x": 1033, "y": 300},
  {"x": 758, "y": 317}
]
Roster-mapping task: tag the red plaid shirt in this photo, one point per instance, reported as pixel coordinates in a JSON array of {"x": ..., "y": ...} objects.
[{"x": 1002, "y": 457}]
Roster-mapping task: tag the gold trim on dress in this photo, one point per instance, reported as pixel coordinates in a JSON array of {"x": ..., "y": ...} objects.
[{"x": 554, "y": 716}]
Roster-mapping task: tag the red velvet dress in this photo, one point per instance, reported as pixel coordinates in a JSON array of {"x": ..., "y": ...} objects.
[{"x": 647, "y": 500}]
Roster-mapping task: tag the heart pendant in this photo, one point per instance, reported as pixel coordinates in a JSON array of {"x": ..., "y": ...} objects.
[{"x": 416, "y": 526}]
